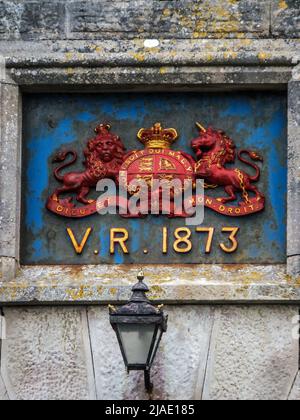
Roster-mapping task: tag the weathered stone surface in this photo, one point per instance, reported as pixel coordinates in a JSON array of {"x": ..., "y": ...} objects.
[
  {"x": 3, "y": 392},
  {"x": 295, "y": 391},
  {"x": 286, "y": 18},
  {"x": 2, "y": 329},
  {"x": 229, "y": 352},
  {"x": 294, "y": 171},
  {"x": 152, "y": 78},
  {"x": 209, "y": 18},
  {"x": 99, "y": 17},
  {"x": 293, "y": 265},
  {"x": 176, "y": 62},
  {"x": 8, "y": 269},
  {"x": 128, "y": 19},
  {"x": 180, "y": 19},
  {"x": 46, "y": 355},
  {"x": 296, "y": 73},
  {"x": 180, "y": 362},
  {"x": 194, "y": 284},
  {"x": 172, "y": 19},
  {"x": 253, "y": 355},
  {"x": 10, "y": 174},
  {"x": 175, "y": 52},
  {"x": 9, "y": 16},
  {"x": 32, "y": 20}
]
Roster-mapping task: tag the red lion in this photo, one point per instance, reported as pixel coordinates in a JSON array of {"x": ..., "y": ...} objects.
[
  {"x": 214, "y": 149},
  {"x": 104, "y": 156}
]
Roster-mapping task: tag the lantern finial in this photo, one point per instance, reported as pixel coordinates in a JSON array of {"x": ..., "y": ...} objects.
[{"x": 140, "y": 276}]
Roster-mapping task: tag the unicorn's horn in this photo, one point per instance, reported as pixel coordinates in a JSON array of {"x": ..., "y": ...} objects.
[{"x": 201, "y": 127}]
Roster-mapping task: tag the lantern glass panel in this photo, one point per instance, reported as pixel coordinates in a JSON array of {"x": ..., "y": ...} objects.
[
  {"x": 156, "y": 344},
  {"x": 136, "y": 341}
]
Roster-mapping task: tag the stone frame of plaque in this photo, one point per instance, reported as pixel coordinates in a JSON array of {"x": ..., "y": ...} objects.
[{"x": 88, "y": 72}]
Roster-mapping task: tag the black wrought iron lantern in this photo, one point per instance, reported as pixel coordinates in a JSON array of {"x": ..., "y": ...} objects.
[{"x": 139, "y": 326}]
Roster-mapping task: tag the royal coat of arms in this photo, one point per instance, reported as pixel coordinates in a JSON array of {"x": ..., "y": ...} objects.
[
  {"x": 158, "y": 162},
  {"x": 106, "y": 157}
]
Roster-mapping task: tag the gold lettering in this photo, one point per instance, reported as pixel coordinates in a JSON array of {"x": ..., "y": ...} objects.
[
  {"x": 232, "y": 237},
  {"x": 183, "y": 240},
  {"x": 79, "y": 247},
  {"x": 210, "y": 232},
  {"x": 165, "y": 240},
  {"x": 114, "y": 239}
]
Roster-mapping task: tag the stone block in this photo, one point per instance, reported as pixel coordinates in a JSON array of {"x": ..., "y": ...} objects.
[
  {"x": 170, "y": 19},
  {"x": 293, "y": 248},
  {"x": 180, "y": 361},
  {"x": 10, "y": 171},
  {"x": 3, "y": 392},
  {"x": 253, "y": 355},
  {"x": 210, "y": 353},
  {"x": 295, "y": 391},
  {"x": 10, "y": 14},
  {"x": 106, "y": 16},
  {"x": 210, "y": 18},
  {"x": 293, "y": 266},
  {"x": 46, "y": 355},
  {"x": 8, "y": 269},
  {"x": 32, "y": 20},
  {"x": 285, "y": 20}
]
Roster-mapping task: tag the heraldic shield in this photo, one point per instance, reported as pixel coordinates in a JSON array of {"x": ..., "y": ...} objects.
[
  {"x": 158, "y": 165},
  {"x": 158, "y": 162}
]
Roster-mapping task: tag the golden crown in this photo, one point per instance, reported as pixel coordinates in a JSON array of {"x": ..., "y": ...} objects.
[{"x": 157, "y": 137}]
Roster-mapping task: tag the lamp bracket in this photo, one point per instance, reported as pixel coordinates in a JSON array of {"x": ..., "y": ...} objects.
[{"x": 148, "y": 383}]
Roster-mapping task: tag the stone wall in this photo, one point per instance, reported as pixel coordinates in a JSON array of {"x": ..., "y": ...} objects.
[
  {"x": 213, "y": 352},
  {"x": 103, "y": 19},
  {"x": 209, "y": 352}
]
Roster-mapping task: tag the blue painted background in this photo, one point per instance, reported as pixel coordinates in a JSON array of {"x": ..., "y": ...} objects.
[{"x": 52, "y": 121}]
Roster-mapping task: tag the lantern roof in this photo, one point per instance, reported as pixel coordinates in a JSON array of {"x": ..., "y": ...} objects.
[{"x": 138, "y": 304}]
